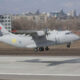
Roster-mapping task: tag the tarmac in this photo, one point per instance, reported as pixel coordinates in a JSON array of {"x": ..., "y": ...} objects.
[
  {"x": 38, "y": 77},
  {"x": 59, "y": 63},
  {"x": 40, "y": 67}
]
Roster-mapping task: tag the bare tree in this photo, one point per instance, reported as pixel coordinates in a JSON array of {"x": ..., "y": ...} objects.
[{"x": 52, "y": 23}]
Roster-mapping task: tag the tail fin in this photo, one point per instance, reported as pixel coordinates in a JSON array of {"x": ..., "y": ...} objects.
[{"x": 3, "y": 30}]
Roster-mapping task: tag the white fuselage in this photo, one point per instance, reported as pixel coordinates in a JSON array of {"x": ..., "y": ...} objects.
[{"x": 53, "y": 38}]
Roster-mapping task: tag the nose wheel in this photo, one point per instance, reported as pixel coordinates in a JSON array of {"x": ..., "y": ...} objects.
[{"x": 68, "y": 45}]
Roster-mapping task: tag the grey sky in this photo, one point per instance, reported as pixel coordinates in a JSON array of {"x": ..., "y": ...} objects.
[{"x": 20, "y": 6}]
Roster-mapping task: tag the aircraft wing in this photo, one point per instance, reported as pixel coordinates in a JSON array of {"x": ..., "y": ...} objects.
[
  {"x": 37, "y": 34},
  {"x": 33, "y": 33}
]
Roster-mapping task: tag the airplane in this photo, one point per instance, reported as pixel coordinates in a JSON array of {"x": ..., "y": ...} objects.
[{"x": 39, "y": 40}]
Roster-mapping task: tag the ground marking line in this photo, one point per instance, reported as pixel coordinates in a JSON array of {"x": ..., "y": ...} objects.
[{"x": 19, "y": 74}]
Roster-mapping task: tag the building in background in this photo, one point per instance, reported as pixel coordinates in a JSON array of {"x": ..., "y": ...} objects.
[
  {"x": 6, "y": 21},
  {"x": 59, "y": 15},
  {"x": 72, "y": 13},
  {"x": 36, "y": 17}
]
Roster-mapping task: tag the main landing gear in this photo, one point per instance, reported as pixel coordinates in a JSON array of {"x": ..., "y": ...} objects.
[
  {"x": 68, "y": 45},
  {"x": 41, "y": 49}
]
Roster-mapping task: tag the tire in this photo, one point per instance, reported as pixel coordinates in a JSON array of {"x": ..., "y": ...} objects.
[
  {"x": 41, "y": 49},
  {"x": 36, "y": 49},
  {"x": 46, "y": 48},
  {"x": 69, "y": 45}
]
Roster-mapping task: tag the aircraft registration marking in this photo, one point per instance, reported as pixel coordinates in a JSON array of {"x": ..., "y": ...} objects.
[{"x": 13, "y": 40}]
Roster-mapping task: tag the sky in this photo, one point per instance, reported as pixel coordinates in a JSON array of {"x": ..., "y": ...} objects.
[{"x": 20, "y": 6}]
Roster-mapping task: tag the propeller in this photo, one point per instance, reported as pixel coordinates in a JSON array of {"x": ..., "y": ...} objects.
[{"x": 46, "y": 31}]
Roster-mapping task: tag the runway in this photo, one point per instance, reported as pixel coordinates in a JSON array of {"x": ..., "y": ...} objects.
[
  {"x": 38, "y": 77},
  {"x": 40, "y": 67}
]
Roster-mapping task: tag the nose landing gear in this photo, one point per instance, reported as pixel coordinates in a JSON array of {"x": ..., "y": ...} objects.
[{"x": 68, "y": 45}]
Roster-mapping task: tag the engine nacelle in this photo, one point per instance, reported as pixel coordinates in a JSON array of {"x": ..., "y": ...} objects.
[{"x": 40, "y": 33}]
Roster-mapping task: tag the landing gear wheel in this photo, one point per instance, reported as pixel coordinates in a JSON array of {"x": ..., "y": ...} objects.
[
  {"x": 69, "y": 45},
  {"x": 41, "y": 49},
  {"x": 36, "y": 49},
  {"x": 46, "y": 48}
]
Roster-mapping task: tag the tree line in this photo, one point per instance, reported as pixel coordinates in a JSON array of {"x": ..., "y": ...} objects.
[{"x": 51, "y": 23}]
